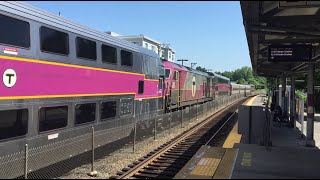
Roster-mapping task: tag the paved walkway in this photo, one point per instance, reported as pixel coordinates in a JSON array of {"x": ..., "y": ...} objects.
[{"x": 288, "y": 157}]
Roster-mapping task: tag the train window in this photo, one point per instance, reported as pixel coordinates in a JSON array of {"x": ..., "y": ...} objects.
[
  {"x": 141, "y": 87},
  {"x": 167, "y": 71},
  {"x": 14, "y": 123},
  {"x": 108, "y": 110},
  {"x": 86, "y": 48},
  {"x": 51, "y": 118},
  {"x": 126, "y": 58},
  {"x": 85, "y": 113},
  {"x": 54, "y": 41},
  {"x": 14, "y": 32},
  {"x": 109, "y": 54},
  {"x": 176, "y": 75}
]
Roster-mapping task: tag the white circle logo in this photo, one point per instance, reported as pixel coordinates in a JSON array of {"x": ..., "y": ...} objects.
[
  {"x": 9, "y": 78},
  {"x": 194, "y": 87}
]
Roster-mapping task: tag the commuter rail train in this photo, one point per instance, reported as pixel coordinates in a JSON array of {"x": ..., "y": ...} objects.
[{"x": 60, "y": 79}]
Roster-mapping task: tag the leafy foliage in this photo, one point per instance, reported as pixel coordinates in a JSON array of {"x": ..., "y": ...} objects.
[
  {"x": 301, "y": 95},
  {"x": 199, "y": 68},
  {"x": 244, "y": 75}
]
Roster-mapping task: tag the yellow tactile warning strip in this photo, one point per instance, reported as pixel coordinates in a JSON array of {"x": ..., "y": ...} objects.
[
  {"x": 249, "y": 103},
  {"x": 206, "y": 167},
  {"x": 232, "y": 138},
  {"x": 226, "y": 165},
  {"x": 209, "y": 163}
]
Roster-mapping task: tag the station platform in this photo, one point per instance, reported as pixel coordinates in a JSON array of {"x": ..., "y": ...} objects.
[{"x": 288, "y": 157}]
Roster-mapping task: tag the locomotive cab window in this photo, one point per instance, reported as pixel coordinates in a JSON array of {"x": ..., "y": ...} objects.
[
  {"x": 14, "y": 32},
  {"x": 14, "y": 123},
  {"x": 54, "y": 41},
  {"x": 85, "y": 113},
  {"x": 86, "y": 48},
  {"x": 141, "y": 87},
  {"x": 167, "y": 71},
  {"x": 176, "y": 75},
  {"x": 126, "y": 58},
  {"x": 51, "y": 118},
  {"x": 109, "y": 54},
  {"x": 108, "y": 110}
]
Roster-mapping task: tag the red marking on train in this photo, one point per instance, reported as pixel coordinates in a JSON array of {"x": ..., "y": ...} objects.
[{"x": 10, "y": 51}]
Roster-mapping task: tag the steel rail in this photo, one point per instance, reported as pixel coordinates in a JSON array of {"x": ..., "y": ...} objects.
[{"x": 134, "y": 170}]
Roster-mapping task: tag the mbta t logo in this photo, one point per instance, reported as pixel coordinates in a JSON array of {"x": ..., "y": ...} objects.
[{"x": 9, "y": 78}]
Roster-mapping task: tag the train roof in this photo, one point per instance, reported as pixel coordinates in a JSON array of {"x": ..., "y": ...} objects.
[
  {"x": 148, "y": 52},
  {"x": 184, "y": 68},
  {"x": 174, "y": 65},
  {"x": 233, "y": 83},
  {"x": 221, "y": 77},
  {"x": 197, "y": 72},
  {"x": 25, "y": 10}
]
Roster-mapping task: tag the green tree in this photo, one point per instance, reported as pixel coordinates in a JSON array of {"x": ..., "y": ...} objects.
[
  {"x": 253, "y": 81},
  {"x": 241, "y": 75},
  {"x": 241, "y": 81},
  {"x": 227, "y": 74},
  {"x": 199, "y": 68}
]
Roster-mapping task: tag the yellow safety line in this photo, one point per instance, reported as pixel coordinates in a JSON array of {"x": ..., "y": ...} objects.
[
  {"x": 232, "y": 138},
  {"x": 249, "y": 103}
]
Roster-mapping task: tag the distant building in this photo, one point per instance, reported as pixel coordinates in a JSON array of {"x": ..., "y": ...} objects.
[
  {"x": 164, "y": 51},
  {"x": 113, "y": 33},
  {"x": 169, "y": 53}
]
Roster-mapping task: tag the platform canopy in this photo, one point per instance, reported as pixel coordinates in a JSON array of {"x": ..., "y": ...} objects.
[{"x": 285, "y": 23}]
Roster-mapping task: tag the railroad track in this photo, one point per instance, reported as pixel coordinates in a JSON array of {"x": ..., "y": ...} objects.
[{"x": 167, "y": 160}]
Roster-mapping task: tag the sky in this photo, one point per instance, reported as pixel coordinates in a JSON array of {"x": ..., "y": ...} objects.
[{"x": 210, "y": 34}]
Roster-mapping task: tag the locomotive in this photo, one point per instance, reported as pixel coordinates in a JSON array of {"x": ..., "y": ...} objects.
[
  {"x": 185, "y": 86},
  {"x": 61, "y": 79}
]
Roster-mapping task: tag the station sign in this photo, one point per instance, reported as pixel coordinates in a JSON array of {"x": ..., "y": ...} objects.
[{"x": 290, "y": 53}]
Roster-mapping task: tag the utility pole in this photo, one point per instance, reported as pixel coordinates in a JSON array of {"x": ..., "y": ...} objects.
[
  {"x": 193, "y": 64},
  {"x": 182, "y": 60}
]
